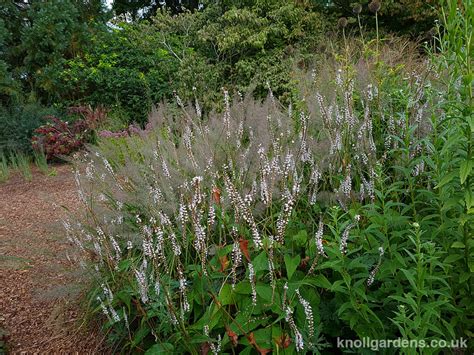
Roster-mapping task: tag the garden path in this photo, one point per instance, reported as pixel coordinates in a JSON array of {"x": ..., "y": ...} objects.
[{"x": 39, "y": 287}]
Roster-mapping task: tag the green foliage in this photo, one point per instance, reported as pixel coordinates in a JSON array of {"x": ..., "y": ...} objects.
[
  {"x": 17, "y": 124},
  {"x": 414, "y": 17},
  {"x": 454, "y": 157},
  {"x": 257, "y": 229},
  {"x": 120, "y": 71},
  {"x": 136, "y": 65},
  {"x": 37, "y": 39}
]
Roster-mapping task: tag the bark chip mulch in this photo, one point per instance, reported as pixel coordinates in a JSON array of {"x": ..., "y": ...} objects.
[{"x": 39, "y": 288}]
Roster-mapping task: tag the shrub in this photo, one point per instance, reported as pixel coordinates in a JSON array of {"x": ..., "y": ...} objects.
[
  {"x": 60, "y": 138},
  {"x": 17, "y": 124}
]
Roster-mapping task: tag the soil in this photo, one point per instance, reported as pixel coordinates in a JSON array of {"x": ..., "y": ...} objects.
[{"x": 39, "y": 288}]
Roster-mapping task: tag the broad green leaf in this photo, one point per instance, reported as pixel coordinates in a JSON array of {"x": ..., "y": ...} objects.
[
  {"x": 264, "y": 291},
  {"x": 338, "y": 286},
  {"x": 301, "y": 238},
  {"x": 243, "y": 287},
  {"x": 464, "y": 277},
  {"x": 260, "y": 262},
  {"x": 471, "y": 266},
  {"x": 291, "y": 264},
  {"x": 263, "y": 338},
  {"x": 140, "y": 334},
  {"x": 452, "y": 258},
  {"x": 225, "y": 295},
  {"x": 469, "y": 199}
]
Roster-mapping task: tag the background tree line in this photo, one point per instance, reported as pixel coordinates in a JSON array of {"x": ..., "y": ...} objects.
[{"x": 55, "y": 54}]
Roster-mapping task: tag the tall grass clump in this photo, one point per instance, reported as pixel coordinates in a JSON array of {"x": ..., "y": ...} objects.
[
  {"x": 264, "y": 229},
  {"x": 22, "y": 162},
  {"x": 41, "y": 161},
  {"x": 4, "y": 168}
]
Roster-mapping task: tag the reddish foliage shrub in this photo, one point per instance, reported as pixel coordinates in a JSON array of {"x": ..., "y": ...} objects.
[{"x": 58, "y": 138}]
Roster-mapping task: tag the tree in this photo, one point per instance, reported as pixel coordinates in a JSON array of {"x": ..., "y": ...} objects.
[
  {"x": 37, "y": 37},
  {"x": 147, "y": 8}
]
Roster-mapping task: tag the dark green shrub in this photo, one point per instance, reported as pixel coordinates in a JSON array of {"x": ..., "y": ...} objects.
[{"x": 17, "y": 124}]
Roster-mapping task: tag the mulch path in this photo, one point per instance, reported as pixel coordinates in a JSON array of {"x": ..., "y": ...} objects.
[{"x": 39, "y": 288}]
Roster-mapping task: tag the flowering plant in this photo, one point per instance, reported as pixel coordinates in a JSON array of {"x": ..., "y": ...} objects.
[
  {"x": 267, "y": 230},
  {"x": 238, "y": 232}
]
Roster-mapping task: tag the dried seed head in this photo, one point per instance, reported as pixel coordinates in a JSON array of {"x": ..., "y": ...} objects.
[
  {"x": 374, "y": 6},
  {"x": 357, "y": 9},
  {"x": 342, "y": 23}
]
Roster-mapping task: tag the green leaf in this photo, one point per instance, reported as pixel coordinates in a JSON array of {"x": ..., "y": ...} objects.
[
  {"x": 164, "y": 348},
  {"x": 301, "y": 238},
  {"x": 445, "y": 180},
  {"x": 465, "y": 170},
  {"x": 243, "y": 287},
  {"x": 337, "y": 286},
  {"x": 247, "y": 351},
  {"x": 140, "y": 334},
  {"x": 264, "y": 291},
  {"x": 263, "y": 338},
  {"x": 291, "y": 264},
  {"x": 464, "y": 277},
  {"x": 225, "y": 296},
  {"x": 260, "y": 262},
  {"x": 458, "y": 245},
  {"x": 125, "y": 297},
  {"x": 469, "y": 199},
  {"x": 321, "y": 281},
  {"x": 411, "y": 278},
  {"x": 452, "y": 258},
  {"x": 471, "y": 266}
]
